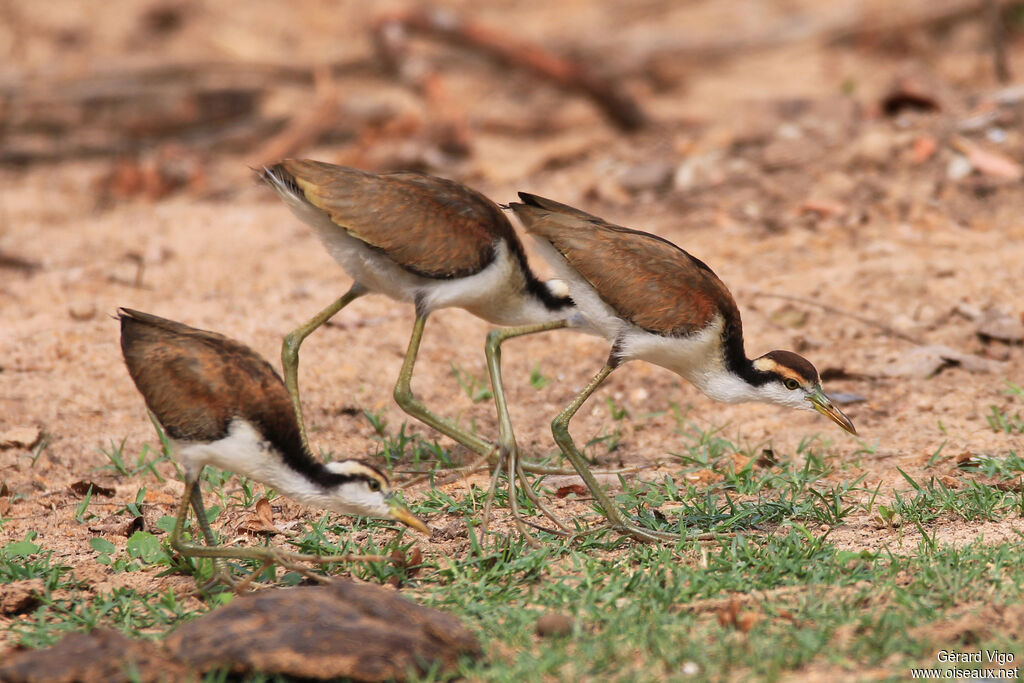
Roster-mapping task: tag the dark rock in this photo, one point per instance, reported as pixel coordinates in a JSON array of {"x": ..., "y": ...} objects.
[
  {"x": 554, "y": 624},
  {"x": 359, "y": 631},
  {"x": 103, "y": 656}
]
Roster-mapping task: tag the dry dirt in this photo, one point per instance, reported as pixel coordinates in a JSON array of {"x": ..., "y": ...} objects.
[{"x": 771, "y": 160}]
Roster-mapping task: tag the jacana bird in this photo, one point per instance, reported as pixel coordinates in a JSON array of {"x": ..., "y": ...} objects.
[
  {"x": 222, "y": 405},
  {"x": 434, "y": 243},
  {"x": 656, "y": 302}
]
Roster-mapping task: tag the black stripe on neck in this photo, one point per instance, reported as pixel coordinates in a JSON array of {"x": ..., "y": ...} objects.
[
  {"x": 534, "y": 286},
  {"x": 736, "y": 357},
  {"x": 288, "y": 442}
]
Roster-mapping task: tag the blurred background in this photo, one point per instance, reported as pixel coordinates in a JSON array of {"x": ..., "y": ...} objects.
[{"x": 652, "y": 97}]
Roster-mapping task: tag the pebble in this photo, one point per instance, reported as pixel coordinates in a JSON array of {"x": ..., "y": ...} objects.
[
  {"x": 554, "y": 624},
  {"x": 81, "y": 310},
  {"x": 20, "y": 437}
]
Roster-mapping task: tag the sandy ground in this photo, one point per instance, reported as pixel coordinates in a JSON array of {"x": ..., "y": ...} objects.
[{"x": 779, "y": 181}]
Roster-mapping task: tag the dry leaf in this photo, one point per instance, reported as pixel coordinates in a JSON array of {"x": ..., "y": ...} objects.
[
  {"x": 988, "y": 162},
  {"x": 822, "y": 207},
  {"x": 767, "y": 458},
  {"x": 21, "y": 596},
  {"x": 746, "y": 621},
  {"x": 82, "y": 488},
  {"x": 727, "y": 615},
  {"x": 564, "y": 491},
  {"x": 924, "y": 149},
  {"x": 261, "y": 521},
  {"x": 966, "y": 461},
  {"x": 908, "y": 94}
]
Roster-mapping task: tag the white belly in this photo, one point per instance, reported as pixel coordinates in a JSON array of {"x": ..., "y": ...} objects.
[{"x": 496, "y": 294}]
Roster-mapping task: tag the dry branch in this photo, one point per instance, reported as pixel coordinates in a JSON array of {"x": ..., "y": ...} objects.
[
  {"x": 391, "y": 30},
  {"x": 124, "y": 110}
]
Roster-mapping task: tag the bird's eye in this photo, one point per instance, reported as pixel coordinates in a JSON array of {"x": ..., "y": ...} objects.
[
  {"x": 791, "y": 384},
  {"x": 374, "y": 485}
]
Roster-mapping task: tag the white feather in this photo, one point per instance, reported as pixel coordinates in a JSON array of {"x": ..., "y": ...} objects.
[
  {"x": 497, "y": 293},
  {"x": 244, "y": 451},
  {"x": 697, "y": 358}
]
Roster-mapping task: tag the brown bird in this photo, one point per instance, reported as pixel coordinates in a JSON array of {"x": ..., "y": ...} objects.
[
  {"x": 655, "y": 302},
  {"x": 222, "y": 405},
  {"x": 431, "y": 242}
]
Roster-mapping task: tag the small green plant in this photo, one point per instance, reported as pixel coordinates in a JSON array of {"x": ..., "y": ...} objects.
[
  {"x": 19, "y": 550},
  {"x": 477, "y": 388},
  {"x": 104, "y": 549},
  {"x": 39, "y": 448},
  {"x": 1004, "y": 422},
  {"x": 616, "y": 412},
  {"x": 115, "y": 454},
  {"x": 538, "y": 380},
  {"x": 83, "y": 506},
  {"x": 377, "y": 421}
]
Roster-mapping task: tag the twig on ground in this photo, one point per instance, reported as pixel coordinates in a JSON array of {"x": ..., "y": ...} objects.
[
  {"x": 997, "y": 31},
  {"x": 307, "y": 126},
  {"x": 391, "y": 30}
]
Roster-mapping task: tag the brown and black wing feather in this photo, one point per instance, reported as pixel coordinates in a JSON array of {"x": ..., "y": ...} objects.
[
  {"x": 647, "y": 280},
  {"x": 431, "y": 226},
  {"x": 195, "y": 382}
]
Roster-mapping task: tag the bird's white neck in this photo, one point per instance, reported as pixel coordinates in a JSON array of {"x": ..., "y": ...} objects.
[
  {"x": 698, "y": 358},
  {"x": 501, "y": 294},
  {"x": 244, "y": 450}
]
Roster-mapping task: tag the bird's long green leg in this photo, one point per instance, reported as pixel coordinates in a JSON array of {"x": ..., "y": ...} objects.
[
  {"x": 506, "y": 434},
  {"x": 221, "y": 573},
  {"x": 560, "y": 430},
  {"x": 294, "y": 339},
  {"x": 267, "y": 556},
  {"x": 200, "y": 511},
  {"x": 411, "y": 405},
  {"x": 485, "y": 519}
]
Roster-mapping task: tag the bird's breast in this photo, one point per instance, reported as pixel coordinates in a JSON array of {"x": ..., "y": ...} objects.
[{"x": 693, "y": 356}]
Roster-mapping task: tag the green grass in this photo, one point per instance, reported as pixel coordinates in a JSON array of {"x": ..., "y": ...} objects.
[
  {"x": 640, "y": 612},
  {"x": 1003, "y": 420},
  {"x": 478, "y": 389}
]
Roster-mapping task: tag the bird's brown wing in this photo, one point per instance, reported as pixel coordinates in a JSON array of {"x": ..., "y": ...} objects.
[
  {"x": 196, "y": 381},
  {"x": 647, "y": 280},
  {"x": 430, "y": 226}
]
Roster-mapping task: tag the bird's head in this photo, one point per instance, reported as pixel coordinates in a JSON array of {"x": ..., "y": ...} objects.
[
  {"x": 362, "y": 489},
  {"x": 791, "y": 381}
]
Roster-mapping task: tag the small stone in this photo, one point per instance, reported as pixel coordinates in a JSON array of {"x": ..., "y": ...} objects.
[
  {"x": 21, "y": 596},
  {"x": 651, "y": 175},
  {"x": 874, "y": 147},
  {"x": 82, "y": 310},
  {"x": 959, "y": 167},
  {"x": 554, "y": 624},
  {"x": 846, "y": 398},
  {"x": 20, "y": 437},
  {"x": 997, "y": 325}
]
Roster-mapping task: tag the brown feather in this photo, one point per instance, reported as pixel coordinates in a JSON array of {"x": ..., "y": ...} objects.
[
  {"x": 647, "y": 280},
  {"x": 195, "y": 382},
  {"x": 430, "y": 226}
]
